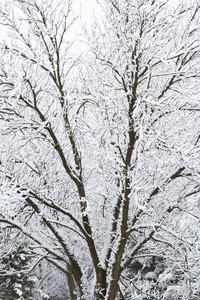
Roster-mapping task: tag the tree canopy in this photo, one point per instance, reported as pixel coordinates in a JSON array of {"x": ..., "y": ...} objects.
[{"x": 100, "y": 152}]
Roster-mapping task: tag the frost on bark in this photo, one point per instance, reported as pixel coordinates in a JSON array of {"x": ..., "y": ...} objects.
[{"x": 100, "y": 154}]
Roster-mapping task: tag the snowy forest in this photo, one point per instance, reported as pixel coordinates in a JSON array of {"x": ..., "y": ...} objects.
[{"x": 100, "y": 151}]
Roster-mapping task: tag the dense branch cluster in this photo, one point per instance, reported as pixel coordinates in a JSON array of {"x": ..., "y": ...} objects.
[{"x": 99, "y": 154}]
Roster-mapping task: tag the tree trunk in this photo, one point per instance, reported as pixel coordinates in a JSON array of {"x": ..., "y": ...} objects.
[
  {"x": 72, "y": 287},
  {"x": 100, "y": 289}
]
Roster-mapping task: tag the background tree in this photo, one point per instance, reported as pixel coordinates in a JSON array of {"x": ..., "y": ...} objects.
[
  {"x": 100, "y": 166},
  {"x": 15, "y": 280}
]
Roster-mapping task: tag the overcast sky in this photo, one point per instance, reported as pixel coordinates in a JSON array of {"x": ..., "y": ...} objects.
[{"x": 86, "y": 9}]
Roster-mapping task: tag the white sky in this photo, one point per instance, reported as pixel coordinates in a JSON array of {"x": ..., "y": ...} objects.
[{"x": 86, "y": 9}]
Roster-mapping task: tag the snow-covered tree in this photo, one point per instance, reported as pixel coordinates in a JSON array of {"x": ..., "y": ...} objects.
[
  {"x": 15, "y": 280},
  {"x": 100, "y": 154}
]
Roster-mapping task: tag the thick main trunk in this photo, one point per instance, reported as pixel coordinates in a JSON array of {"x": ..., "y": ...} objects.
[
  {"x": 72, "y": 287},
  {"x": 100, "y": 289},
  {"x": 116, "y": 272}
]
